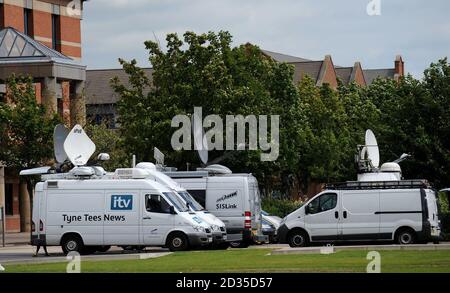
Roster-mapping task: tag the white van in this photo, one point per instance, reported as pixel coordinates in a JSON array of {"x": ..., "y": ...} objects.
[
  {"x": 92, "y": 215},
  {"x": 217, "y": 226},
  {"x": 402, "y": 211},
  {"x": 233, "y": 198}
]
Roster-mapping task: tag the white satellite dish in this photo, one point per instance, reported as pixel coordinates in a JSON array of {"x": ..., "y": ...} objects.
[
  {"x": 59, "y": 136},
  {"x": 78, "y": 146},
  {"x": 200, "y": 142},
  {"x": 373, "y": 152}
]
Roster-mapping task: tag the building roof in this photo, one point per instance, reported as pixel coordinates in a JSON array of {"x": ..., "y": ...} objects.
[
  {"x": 371, "y": 74},
  {"x": 283, "y": 57},
  {"x": 310, "y": 68},
  {"x": 98, "y": 87},
  {"x": 17, "y": 47},
  {"x": 344, "y": 73}
]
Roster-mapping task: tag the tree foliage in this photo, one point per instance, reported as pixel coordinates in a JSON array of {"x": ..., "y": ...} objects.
[
  {"x": 26, "y": 131},
  {"x": 320, "y": 127}
]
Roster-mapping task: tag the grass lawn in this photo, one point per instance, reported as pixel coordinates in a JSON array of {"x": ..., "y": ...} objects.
[{"x": 258, "y": 260}]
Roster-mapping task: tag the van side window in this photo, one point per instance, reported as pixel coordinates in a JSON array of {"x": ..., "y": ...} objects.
[
  {"x": 156, "y": 204},
  {"x": 199, "y": 196},
  {"x": 325, "y": 202}
]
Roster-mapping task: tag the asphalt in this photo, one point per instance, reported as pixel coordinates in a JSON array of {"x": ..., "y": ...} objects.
[{"x": 18, "y": 251}]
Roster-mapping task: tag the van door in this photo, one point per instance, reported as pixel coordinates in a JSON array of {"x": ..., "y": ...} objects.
[
  {"x": 156, "y": 221},
  {"x": 359, "y": 216},
  {"x": 322, "y": 217},
  {"x": 225, "y": 198},
  {"x": 121, "y": 218}
]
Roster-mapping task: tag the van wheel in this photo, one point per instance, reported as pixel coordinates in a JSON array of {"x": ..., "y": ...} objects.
[
  {"x": 178, "y": 242},
  {"x": 242, "y": 244},
  {"x": 72, "y": 243},
  {"x": 298, "y": 239},
  {"x": 405, "y": 237}
]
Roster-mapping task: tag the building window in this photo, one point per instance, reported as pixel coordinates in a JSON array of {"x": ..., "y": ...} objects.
[
  {"x": 9, "y": 199},
  {"x": 55, "y": 32},
  {"x": 28, "y": 22},
  {"x": 2, "y": 18}
]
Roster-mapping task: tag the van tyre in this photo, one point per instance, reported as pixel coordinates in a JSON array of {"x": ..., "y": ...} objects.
[
  {"x": 406, "y": 237},
  {"x": 298, "y": 238},
  {"x": 71, "y": 243},
  {"x": 178, "y": 242}
]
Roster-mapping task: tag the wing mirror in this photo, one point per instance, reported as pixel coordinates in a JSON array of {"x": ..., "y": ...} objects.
[
  {"x": 307, "y": 211},
  {"x": 172, "y": 210}
]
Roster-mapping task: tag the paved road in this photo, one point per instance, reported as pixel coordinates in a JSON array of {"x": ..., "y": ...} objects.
[{"x": 24, "y": 254}]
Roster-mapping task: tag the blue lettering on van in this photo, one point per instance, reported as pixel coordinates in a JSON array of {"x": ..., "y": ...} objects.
[
  {"x": 198, "y": 220},
  {"x": 121, "y": 202}
]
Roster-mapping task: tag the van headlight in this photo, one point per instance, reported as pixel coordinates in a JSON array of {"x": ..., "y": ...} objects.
[
  {"x": 199, "y": 229},
  {"x": 215, "y": 228}
]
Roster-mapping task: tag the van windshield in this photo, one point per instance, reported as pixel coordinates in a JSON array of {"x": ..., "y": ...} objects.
[
  {"x": 192, "y": 202},
  {"x": 176, "y": 202}
]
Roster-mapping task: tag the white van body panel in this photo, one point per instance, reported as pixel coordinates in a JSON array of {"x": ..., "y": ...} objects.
[
  {"x": 110, "y": 212},
  {"x": 370, "y": 214},
  {"x": 228, "y": 197}
]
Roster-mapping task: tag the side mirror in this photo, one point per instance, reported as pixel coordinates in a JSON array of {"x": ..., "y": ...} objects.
[
  {"x": 172, "y": 210},
  {"x": 307, "y": 210},
  {"x": 155, "y": 198}
]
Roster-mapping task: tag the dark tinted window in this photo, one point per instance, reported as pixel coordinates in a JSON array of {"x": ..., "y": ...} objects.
[
  {"x": 199, "y": 196},
  {"x": 155, "y": 206},
  {"x": 325, "y": 202}
]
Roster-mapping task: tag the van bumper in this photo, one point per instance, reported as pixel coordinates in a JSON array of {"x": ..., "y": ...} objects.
[
  {"x": 219, "y": 237},
  {"x": 200, "y": 239},
  {"x": 282, "y": 233},
  {"x": 38, "y": 240},
  {"x": 430, "y": 233}
]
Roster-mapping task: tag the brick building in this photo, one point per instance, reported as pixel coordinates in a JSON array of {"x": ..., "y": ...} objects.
[
  {"x": 101, "y": 98},
  {"x": 41, "y": 39}
]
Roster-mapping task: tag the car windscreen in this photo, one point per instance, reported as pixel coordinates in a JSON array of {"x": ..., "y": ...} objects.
[
  {"x": 189, "y": 199},
  {"x": 176, "y": 202}
]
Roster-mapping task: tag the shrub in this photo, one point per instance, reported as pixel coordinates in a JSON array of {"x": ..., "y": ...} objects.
[{"x": 280, "y": 207}]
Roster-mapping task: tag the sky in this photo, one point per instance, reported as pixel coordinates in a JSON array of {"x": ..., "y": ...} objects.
[{"x": 418, "y": 30}]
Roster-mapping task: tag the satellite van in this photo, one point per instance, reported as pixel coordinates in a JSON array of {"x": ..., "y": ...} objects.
[
  {"x": 217, "y": 226},
  {"x": 233, "y": 198},
  {"x": 88, "y": 210},
  {"x": 378, "y": 206}
]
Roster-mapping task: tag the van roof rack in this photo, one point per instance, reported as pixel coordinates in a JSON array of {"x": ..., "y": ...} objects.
[
  {"x": 401, "y": 184},
  {"x": 187, "y": 174}
]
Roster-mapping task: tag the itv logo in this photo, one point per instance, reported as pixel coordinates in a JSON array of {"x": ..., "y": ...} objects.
[{"x": 121, "y": 202}]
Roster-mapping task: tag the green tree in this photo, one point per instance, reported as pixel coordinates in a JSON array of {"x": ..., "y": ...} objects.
[
  {"x": 26, "y": 139},
  {"x": 205, "y": 70},
  {"x": 108, "y": 141}
]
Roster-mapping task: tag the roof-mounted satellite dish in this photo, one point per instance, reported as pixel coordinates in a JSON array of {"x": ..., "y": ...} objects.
[
  {"x": 373, "y": 153},
  {"x": 200, "y": 142},
  {"x": 59, "y": 136},
  {"x": 78, "y": 146}
]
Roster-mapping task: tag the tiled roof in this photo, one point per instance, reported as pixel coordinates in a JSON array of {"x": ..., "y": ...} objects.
[
  {"x": 98, "y": 86},
  {"x": 283, "y": 57},
  {"x": 344, "y": 73},
  {"x": 310, "y": 68},
  {"x": 371, "y": 74}
]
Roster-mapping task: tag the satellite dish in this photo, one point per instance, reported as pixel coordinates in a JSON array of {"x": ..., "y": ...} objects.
[
  {"x": 59, "y": 136},
  {"x": 373, "y": 153},
  {"x": 200, "y": 142},
  {"x": 78, "y": 146}
]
